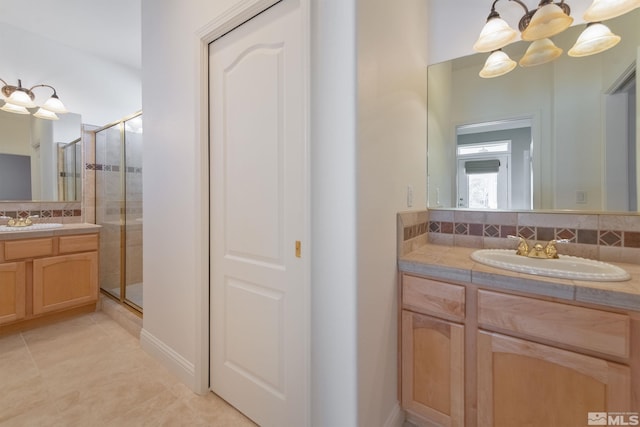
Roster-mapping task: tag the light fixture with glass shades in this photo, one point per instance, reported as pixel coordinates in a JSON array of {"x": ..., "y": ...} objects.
[
  {"x": 498, "y": 63},
  {"x": 538, "y": 25},
  {"x": 18, "y": 99}
]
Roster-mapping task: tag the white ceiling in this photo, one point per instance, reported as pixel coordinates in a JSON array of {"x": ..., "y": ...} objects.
[{"x": 106, "y": 28}]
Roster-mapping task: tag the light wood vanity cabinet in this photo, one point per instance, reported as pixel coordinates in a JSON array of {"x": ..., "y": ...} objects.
[
  {"x": 523, "y": 360},
  {"x": 522, "y": 383},
  {"x": 12, "y": 292},
  {"x": 433, "y": 350},
  {"x": 41, "y": 278},
  {"x": 433, "y": 368}
]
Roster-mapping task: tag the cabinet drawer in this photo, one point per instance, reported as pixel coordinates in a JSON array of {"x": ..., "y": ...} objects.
[
  {"x": 83, "y": 243},
  {"x": 433, "y": 297},
  {"x": 18, "y": 249},
  {"x": 580, "y": 327}
]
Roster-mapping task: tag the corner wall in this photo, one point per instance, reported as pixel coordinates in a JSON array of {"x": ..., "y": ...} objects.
[{"x": 391, "y": 155}]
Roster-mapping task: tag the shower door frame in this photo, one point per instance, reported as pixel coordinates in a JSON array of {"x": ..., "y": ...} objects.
[{"x": 122, "y": 298}]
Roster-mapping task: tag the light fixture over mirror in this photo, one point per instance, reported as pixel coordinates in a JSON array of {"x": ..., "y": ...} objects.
[
  {"x": 19, "y": 98},
  {"x": 547, "y": 20}
]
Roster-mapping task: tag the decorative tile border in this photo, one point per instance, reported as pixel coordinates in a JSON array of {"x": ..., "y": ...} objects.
[
  {"x": 590, "y": 232},
  {"x": 61, "y": 212},
  {"x": 628, "y": 239},
  {"x": 111, "y": 168},
  {"x": 415, "y": 230}
]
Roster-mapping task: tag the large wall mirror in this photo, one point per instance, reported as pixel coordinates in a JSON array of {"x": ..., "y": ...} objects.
[
  {"x": 40, "y": 160},
  {"x": 558, "y": 136}
]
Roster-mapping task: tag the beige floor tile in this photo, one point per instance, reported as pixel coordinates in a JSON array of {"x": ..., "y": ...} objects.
[
  {"x": 216, "y": 411},
  {"x": 21, "y": 397},
  {"x": 45, "y": 415},
  {"x": 16, "y": 363},
  {"x": 89, "y": 371}
]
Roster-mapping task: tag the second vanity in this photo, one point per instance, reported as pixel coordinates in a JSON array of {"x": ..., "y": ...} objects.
[
  {"x": 482, "y": 346},
  {"x": 46, "y": 274}
]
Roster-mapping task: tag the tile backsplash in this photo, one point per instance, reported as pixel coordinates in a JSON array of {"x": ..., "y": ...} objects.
[
  {"x": 608, "y": 237},
  {"x": 57, "y": 212}
]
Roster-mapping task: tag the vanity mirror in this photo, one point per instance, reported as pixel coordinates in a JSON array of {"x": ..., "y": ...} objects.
[
  {"x": 557, "y": 136},
  {"x": 40, "y": 160}
]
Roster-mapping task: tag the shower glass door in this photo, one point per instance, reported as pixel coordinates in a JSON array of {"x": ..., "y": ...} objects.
[
  {"x": 133, "y": 210},
  {"x": 119, "y": 209}
]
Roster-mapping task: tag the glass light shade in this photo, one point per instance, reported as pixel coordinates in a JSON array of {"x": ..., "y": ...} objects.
[
  {"x": 540, "y": 52},
  {"x": 594, "y": 39},
  {"x": 495, "y": 34},
  {"x": 601, "y": 10},
  {"x": 12, "y": 108},
  {"x": 21, "y": 98},
  {"x": 54, "y": 104},
  {"x": 45, "y": 114},
  {"x": 497, "y": 64},
  {"x": 548, "y": 21}
]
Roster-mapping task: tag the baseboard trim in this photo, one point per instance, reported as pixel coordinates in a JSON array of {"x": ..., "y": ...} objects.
[
  {"x": 396, "y": 417},
  {"x": 174, "y": 362}
]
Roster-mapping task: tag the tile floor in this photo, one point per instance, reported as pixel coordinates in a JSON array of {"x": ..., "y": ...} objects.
[{"x": 89, "y": 371}]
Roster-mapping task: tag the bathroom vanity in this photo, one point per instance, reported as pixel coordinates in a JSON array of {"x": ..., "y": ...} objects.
[
  {"x": 482, "y": 346},
  {"x": 47, "y": 274}
]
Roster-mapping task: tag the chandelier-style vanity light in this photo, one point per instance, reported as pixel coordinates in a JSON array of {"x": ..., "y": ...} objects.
[
  {"x": 538, "y": 25},
  {"x": 18, "y": 99}
]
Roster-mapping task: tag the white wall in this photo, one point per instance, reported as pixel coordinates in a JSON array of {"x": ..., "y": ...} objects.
[
  {"x": 100, "y": 91},
  {"x": 334, "y": 388},
  {"x": 391, "y": 155},
  {"x": 173, "y": 178}
]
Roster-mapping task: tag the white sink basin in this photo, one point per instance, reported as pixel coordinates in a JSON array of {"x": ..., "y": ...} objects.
[
  {"x": 31, "y": 227},
  {"x": 565, "y": 267}
]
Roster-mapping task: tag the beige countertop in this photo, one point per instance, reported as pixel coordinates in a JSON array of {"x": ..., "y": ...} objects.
[
  {"x": 455, "y": 263},
  {"x": 66, "y": 229}
]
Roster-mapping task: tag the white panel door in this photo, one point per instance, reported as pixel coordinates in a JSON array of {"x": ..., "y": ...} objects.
[{"x": 259, "y": 211}]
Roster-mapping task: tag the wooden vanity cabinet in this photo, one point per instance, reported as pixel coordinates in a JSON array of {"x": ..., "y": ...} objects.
[
  {"x": 432, "y": 361},
  {"x": 528, "y": 360},
  {"x": 558, "y": 365},
  {"x": 64, "y": 281},
  {"x": 41, "y": 278},
  {"x": 522, "y": 383},
  {"x": 12, "y": 292}
]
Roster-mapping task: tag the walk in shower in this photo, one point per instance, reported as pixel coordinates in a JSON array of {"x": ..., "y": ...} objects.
[{"x": 119, "y": 209}]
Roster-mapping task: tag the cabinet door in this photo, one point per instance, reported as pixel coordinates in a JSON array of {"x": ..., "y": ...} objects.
[
  {"x": 433, "y": 369},
  {"x": 12, "y": 292},
  {"x": 64, "y": 281},
  {"x": 521, "y": 383}
]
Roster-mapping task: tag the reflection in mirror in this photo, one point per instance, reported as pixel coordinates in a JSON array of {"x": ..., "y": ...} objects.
[
  {"x": 31, "y": 160},
  {"x": 70, "y": 170},
  {"x": 567, "y": 130}
]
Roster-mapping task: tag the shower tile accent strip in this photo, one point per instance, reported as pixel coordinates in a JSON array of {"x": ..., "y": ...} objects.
[
  {"x": 111, "y": 168},
  {"x": 610, "y": 237}
]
